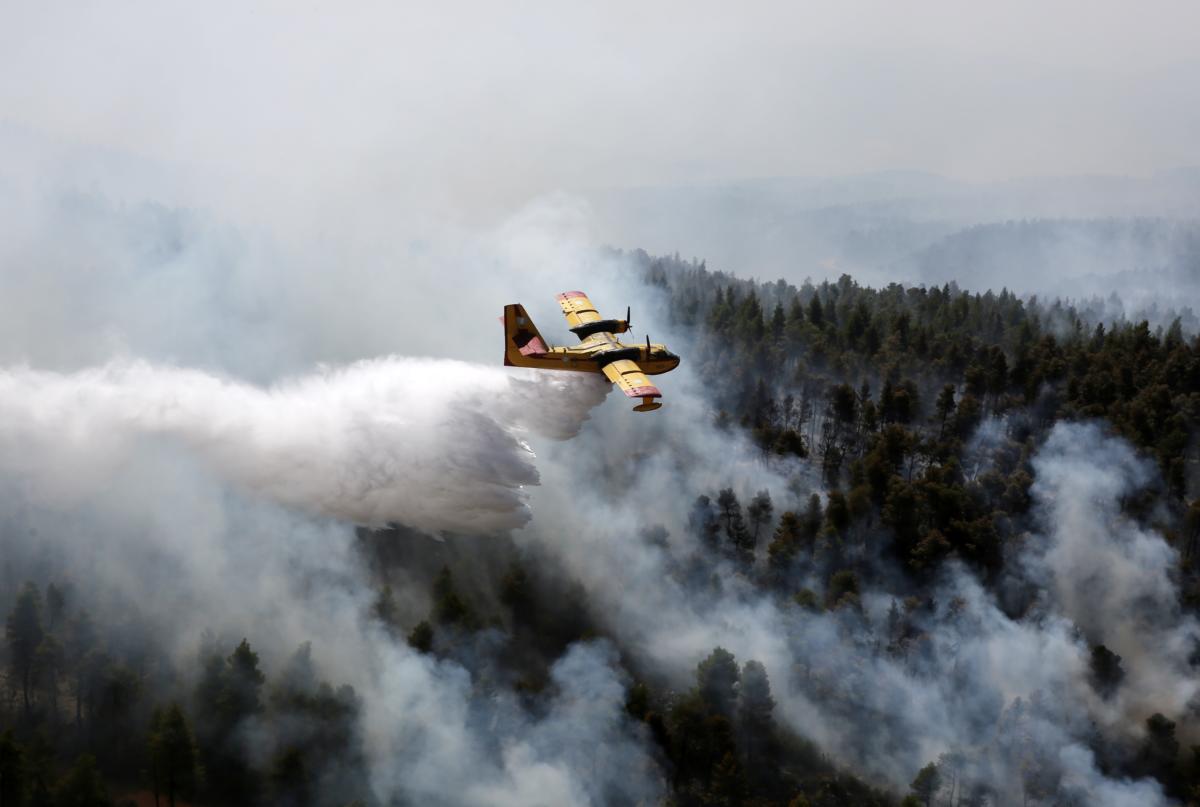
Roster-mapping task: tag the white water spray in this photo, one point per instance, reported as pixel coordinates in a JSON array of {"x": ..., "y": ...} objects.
[{"x": 437, "y": 445}]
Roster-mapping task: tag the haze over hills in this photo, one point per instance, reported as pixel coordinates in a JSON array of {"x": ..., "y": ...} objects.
[
  {"x": 1046, "y": 235},
  {"x": 1074, "y": 236},
  {"x": 278, "y": 528}
]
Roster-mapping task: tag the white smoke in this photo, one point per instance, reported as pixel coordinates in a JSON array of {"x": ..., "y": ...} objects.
[
  {"x": 437, "y": 445},
  {"x": 183, "y": 501},
  {"x": 957, "y": 688},
  {"x": 1110, "y": 576},
  {"x": 582, "y": 751},
  {"x": 442, "y": 446},
  {"x": 108, "y": 472}
]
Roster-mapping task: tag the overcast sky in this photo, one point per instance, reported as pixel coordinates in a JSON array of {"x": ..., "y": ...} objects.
[{"x": 480, "y": 106}]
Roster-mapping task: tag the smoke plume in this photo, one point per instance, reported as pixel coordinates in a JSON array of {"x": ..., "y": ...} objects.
[{"x": 1000, "y": 691}]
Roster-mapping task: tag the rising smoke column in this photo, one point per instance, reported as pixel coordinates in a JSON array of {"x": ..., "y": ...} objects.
[
  {"x": 437, "y": 445},
  {"x": 1108, "y": 574},
  {"x": 1004, "y": 692}
]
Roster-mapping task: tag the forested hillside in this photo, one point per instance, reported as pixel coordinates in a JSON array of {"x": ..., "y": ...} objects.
[
  {"x": 913, "y": 424},
  {"x": 886, "y": 390}
]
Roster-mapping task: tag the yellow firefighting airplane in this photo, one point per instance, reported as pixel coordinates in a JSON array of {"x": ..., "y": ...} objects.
[{"x": 598, "y": 352}]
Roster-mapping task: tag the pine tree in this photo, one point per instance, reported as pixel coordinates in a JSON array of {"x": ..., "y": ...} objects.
[
  {"x": 23, "y": 634},
  {"x": 172, "y": 754},
  {"x": 926, "y": 784},
  {"x": 717, "y": 677}
]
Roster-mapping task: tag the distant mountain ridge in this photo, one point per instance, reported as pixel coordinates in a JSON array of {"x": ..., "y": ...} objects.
[
  {"x": 1044, "y": 235},
  {"x": 1066, "y": 257}
]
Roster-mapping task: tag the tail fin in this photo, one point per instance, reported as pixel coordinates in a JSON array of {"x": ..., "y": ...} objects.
[{"x": 523, "y": 344}]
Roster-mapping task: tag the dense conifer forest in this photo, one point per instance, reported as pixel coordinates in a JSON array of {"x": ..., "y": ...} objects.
[
  {"x": 908, "y": 417},
  {"x": 884, "y": 389}
]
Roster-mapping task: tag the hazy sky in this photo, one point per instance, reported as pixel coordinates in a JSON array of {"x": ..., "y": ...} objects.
[{"x": 480, "y": 106}]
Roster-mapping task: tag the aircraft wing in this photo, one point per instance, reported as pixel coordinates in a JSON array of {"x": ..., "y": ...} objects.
[
  {"x": 631, "y": 380},
  {"x": 578, "y": 308},
  {"x": 584, "y": 320}
]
